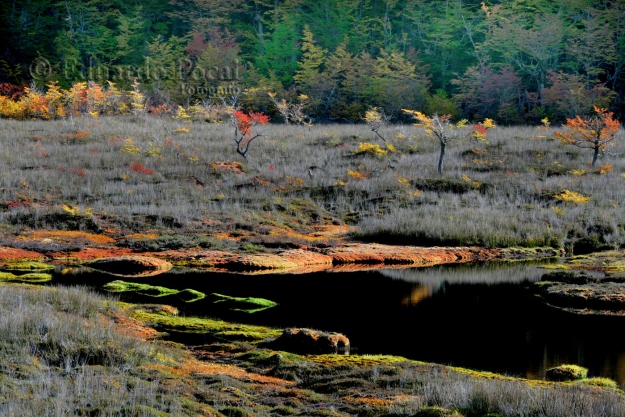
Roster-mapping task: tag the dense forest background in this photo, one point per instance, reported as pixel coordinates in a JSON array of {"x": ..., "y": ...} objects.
[{"x": 515, "y": 61}]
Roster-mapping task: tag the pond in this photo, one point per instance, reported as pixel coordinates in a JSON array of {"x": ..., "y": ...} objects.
[{"x": 478, "y": 316}]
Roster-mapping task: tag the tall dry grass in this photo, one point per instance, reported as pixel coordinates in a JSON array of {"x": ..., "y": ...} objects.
[{"x": 139, "y": 173}]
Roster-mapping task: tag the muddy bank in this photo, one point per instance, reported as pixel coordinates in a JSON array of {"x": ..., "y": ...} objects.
[
  {"x": 351, "y": 256},
  {"x": 592, "y": 284}
]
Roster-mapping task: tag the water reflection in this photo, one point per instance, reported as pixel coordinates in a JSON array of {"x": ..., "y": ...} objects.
[
  {"x": 494, "y": 321},
  {"x": 434, "y": 279},
  {"x": 489, "y": 273},
  {"x": 418, "y": 293}
]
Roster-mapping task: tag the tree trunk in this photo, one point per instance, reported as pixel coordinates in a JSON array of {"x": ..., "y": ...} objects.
[
  {"x": 594, "y": 159},
  {"x": 440, "y": 160},
  {"x": 260, "y": 31}
]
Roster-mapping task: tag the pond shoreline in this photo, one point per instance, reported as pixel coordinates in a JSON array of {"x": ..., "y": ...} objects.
[
  {"x": 344, "y": 255},
  {"x": 586, "y": 285}
]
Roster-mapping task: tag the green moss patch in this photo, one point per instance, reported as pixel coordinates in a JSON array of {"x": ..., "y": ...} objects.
[
  {"x": 245, "y": 304},
  {"x": 261, "y": 358},
  {"x": 34, "y": 277},
  {"x": 29, "y": 266},
  {"x": 358, "y": 360},
  {"x": 187, "y": 295},
  {"x": 598, "y": 382},
  {"x": 219, "y": 330}
]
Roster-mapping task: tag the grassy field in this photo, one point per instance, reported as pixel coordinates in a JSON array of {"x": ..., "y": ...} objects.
[
  {"x": 186, "y": 183},
  {"x": 67, "y": 351}
]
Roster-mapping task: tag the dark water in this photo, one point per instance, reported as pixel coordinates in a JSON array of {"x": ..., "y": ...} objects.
[{"x": 475, "y": 316}]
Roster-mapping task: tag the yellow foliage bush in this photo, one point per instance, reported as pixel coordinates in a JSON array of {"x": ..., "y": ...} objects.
[
  {"x": 182, "y": 114},
  {"x": 474, "y": 184},
  {"x": 130, "y": 147},
  {"x": 578, "y": 172},
  {"x": 372, "y": 149},
  {"x": 572, "y": 197},
  {"x": 403, "y": 181},
  {"x": 13, "y": 109}
]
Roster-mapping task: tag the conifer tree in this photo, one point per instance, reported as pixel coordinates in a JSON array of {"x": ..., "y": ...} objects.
[{"x": 313, "y": 58}]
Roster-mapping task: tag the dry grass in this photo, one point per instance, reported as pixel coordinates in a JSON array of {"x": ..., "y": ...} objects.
[
  {"x": 62, "y": 354},
  {"x": 506, "y": 193}
]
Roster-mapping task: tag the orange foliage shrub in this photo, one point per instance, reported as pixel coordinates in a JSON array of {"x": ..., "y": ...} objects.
[
  {"x": 137, "y": 167},
  {"x": 595, "y": 133},
  {"x": 82, "y": 98}
]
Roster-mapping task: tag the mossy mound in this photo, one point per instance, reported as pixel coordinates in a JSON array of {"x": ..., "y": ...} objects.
[
  {"x": 358, "y": 360},
  {"x": 245, "y": 304},
  {"x": 599, "y": 382},
  {"x": 264, "y": 358},
  {"x": 341, "y": 385},
  {"x": 284, "y": 410},
  {"x": 188, "y": 295},
  {"x": 564, "y": 373},
  {"x": 216, "y": 329},
  {"x": 29, "y": 266},
  {"x": 31, "y": 278},
  {"x": 311, "y": 341}
]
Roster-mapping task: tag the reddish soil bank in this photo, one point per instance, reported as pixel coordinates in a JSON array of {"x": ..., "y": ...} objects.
[
  {"x": 352, "y": 256},
  {"x": 336, "y": 253}
]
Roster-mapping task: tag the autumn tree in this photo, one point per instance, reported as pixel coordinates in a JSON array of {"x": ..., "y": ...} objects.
[
  {"x": 596, "y": 132},
  {"x": 439, "y": 127},
  {"x": 214, "y": 63},
  {"x": 292, "y": 111},
  {"x": 376, "y": 119},
  {"x": 243, "y": 124}
]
